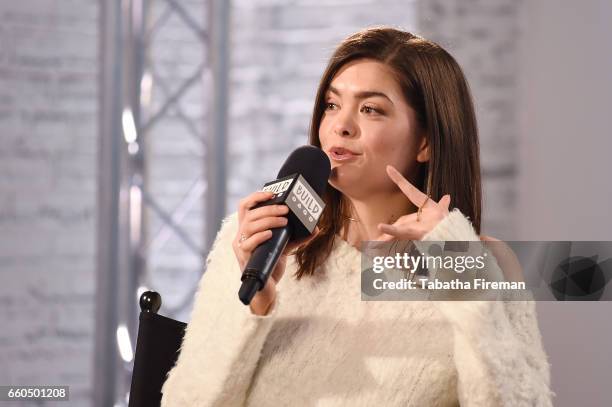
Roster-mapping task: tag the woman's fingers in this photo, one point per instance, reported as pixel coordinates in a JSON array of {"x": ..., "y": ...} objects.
[
  {"x": 413, "y": 193},
  {"x": 254, "y": 240},
  {"x": 445, "y": 202},
  {"x": 385, "y": 237},
  {"x": 250, "y": 201},
  {"x": 388, "y": 229},
  {"x": 254, "y": 228},
  {"x": 266, "y": 211},
  {"x": 398, "y": 232},
  {"x": 250, "y": 228}
]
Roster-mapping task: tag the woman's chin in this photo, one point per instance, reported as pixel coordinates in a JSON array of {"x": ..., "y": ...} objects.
[{"x": 349, "y": 183}]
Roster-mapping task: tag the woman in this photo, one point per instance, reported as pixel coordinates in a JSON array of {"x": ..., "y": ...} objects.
[{"x": 394, "y": 114}]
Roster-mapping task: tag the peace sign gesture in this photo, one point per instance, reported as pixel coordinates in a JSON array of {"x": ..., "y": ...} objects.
[{"x": 415, "y": 225}]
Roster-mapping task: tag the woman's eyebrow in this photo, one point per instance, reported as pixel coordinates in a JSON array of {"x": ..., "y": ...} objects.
[{"x": 364, "y": 94}]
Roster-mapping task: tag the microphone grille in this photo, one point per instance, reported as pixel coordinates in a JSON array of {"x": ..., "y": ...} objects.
[{"x": 311, "y": 163}]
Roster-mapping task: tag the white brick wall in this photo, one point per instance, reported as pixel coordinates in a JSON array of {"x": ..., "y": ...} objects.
[
  {"x": 483, "y": 36},
  {"x": 48, "y": 108}
]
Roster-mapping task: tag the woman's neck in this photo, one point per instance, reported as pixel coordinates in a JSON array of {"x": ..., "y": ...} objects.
[{"x": 365, "y": 215}]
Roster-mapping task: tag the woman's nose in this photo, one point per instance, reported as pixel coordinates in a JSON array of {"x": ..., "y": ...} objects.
[{"x": 345, "y": 125}]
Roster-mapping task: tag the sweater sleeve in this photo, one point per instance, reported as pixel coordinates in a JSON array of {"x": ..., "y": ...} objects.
[
  {"x": 223, "y": 339},
  {"x": 498, "y": 349}
]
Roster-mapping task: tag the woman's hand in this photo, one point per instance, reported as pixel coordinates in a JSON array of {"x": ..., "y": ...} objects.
[
  {"x": 413, "y": 226},
  {"x": 253, "y": 229}
]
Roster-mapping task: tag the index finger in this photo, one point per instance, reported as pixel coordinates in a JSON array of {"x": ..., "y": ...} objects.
[{"x": 413, "y": 193}]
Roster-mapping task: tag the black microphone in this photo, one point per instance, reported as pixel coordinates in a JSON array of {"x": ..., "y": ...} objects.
[{"x": 300, "y": 184}]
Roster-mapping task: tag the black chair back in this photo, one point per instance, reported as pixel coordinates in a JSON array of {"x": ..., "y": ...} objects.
[{"x": 157, "y": 348}]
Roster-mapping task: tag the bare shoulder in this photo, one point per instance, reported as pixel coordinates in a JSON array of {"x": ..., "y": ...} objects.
[{"x": 506, "y": 258}]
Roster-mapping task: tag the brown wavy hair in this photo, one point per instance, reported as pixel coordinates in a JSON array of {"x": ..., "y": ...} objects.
[{"x": 434, "y": 86}]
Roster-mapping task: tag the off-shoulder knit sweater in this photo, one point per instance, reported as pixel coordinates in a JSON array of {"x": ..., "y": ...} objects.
[{"x": 322, "y": 346}]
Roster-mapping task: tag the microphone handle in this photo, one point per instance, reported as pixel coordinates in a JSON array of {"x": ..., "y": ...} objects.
[{"x": 262, "y": 263}]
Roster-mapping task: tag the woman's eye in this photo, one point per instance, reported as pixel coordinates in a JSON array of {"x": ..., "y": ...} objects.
[
  {"x": 330, "y": 106},
  {"x": 370, "y": 110}
]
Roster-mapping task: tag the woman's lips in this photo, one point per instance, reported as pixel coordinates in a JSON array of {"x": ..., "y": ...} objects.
[{"x": 342, "y": 154}]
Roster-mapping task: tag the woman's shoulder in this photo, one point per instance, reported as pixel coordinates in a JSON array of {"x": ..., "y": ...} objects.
[
  {"x": 221, "y": 253},
  {"x": 227, "y": 231},
  {"x": 229, "y": 224}
]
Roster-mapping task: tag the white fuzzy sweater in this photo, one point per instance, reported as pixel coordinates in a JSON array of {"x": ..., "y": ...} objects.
[{"x": 322, "y": 346}]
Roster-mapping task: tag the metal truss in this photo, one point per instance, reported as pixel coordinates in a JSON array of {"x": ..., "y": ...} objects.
[{"x": 141, "y": 224}]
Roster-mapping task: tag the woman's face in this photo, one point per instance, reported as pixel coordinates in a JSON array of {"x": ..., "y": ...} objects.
[{"x": 367, "y": 125}]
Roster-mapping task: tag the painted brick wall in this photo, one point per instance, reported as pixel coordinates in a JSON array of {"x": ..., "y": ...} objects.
[
  {"x": 48, "y": 108},
  {"x": 483, "y": 36},
  {"x": 48, "y": 119}
]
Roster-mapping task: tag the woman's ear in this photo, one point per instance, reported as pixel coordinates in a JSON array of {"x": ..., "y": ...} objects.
[{"x": 423, "y": 154}]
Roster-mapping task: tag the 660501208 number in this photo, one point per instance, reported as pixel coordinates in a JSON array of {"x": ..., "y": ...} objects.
[{"x": 55, "y": 393}]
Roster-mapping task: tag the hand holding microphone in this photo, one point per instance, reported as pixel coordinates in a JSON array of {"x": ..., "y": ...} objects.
[
  {"x": 255, "y": 228},
  {"x": 276, "y": 221}
]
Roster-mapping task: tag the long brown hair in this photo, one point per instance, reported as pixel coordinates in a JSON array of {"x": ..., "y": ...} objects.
[{"x": 434, "y": 86}]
